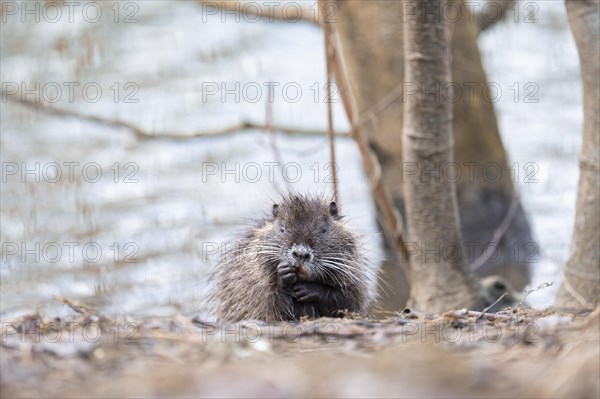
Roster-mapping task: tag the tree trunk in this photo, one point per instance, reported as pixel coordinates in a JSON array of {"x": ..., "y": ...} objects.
[
  {"x": 580, "y": 287},
  {"x": 440, "y": 277}
]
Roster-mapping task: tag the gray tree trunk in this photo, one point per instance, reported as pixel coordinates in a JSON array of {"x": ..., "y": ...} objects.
[
  {"x": 440, "y": 277},
  {"x": 580, "y": 287}
]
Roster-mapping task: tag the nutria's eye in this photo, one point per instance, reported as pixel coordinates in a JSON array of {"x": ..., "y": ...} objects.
[
  {"x": 324, "y": 229},
  {"x": 282, "y": 229}
]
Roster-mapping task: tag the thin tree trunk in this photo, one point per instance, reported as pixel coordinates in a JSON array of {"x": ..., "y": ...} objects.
[
  {"x": 440, "y": 277},
  {"x": 580, "y": 287}
]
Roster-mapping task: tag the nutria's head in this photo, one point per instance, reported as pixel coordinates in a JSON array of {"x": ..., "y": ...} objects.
[{"x": 310, "y": 234}]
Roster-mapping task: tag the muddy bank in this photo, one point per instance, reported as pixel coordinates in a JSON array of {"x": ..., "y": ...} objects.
[{"x": 514, "y": 353}]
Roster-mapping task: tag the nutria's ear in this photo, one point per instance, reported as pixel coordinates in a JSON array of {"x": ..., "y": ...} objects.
[
  {"x": 333, "y": 211},
  {"x": 275, "y": 210}
]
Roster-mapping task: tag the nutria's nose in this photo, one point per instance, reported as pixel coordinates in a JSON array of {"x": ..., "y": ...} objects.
[{"x": 301, "y": 254}]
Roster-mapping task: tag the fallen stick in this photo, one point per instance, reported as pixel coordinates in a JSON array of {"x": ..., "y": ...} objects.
[{"x": 83, "y": 308}]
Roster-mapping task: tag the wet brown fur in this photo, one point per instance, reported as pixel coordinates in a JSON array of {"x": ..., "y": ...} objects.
[{"x": 246, "y": 282}]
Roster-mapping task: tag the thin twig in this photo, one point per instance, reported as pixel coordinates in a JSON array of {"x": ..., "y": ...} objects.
[
  {"x": 472, "y": 313},
  {"x": 492, "y": 305},
  {"x": 543, "y": 285},
  {"x": 275, "y": 148},
  {"x": 329, "y": 60},
  {"x": 83, "y": 308}
]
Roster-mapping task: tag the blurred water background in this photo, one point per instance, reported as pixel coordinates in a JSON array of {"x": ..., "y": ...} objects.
[{"x": 155, "y": 200}]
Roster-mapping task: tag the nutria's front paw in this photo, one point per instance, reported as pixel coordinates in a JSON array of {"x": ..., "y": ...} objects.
[
  {"x": 308, "y": 292},
  {"x": 287, "y": 274}
]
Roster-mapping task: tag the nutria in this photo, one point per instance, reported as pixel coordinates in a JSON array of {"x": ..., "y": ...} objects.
[{"x": 299, "y": 260}]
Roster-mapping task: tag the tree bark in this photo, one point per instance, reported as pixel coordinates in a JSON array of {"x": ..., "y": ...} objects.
[
  {"x": 440, "y": 277},
  {"x": 580, "y": 287}
]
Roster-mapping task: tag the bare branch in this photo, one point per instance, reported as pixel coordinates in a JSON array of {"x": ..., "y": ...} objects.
[
  {"x": 145, "y": 135},
  {"x": 493, "y": 11},
  {"x": 392, "y": 221},
  {"x": 499, "y": 232},
  {"x": 465, "y": 313},
  {"x": 268, "y": 12}
]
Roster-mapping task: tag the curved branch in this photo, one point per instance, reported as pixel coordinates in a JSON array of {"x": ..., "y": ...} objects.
[
  {"x": 392, "y": 221},
  {"x": 141, "y": 134}
]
